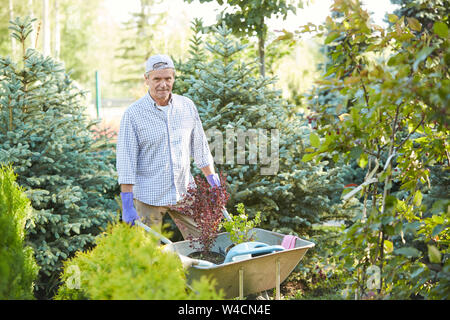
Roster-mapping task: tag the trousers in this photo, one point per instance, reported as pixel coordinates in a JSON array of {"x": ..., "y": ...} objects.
[{"x": 153, "y": 217}]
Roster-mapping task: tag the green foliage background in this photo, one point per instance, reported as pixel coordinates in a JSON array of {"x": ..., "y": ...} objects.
[
  {"x": 380, "y": 106},
  {"x": 389, "y": 117}
]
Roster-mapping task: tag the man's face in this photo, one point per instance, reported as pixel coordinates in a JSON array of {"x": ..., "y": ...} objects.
[{"x": 160, "y": 83}]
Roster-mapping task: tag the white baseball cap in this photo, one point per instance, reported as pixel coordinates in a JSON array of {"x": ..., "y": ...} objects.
[{"x": 157, "y": 62}]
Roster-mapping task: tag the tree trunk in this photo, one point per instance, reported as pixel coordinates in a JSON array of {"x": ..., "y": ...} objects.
[
  {"x": 261, "y": 50},
  {"x": 57, "y": 31},
  {"x": 46, "y": 28}
]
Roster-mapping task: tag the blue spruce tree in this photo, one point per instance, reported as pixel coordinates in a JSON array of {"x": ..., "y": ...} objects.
[
  {"x": 231, "y": 98},
  {"x": 45, "y": 136}
]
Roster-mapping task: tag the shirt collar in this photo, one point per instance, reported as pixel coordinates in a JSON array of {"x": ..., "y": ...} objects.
[{"x": 153, "y": 102}]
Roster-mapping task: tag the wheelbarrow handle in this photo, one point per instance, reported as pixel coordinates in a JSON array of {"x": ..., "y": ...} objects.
[
  {"x": 164, "y": 239},
  {"x": 186, "y": 261},
  {"x": 148, "y": 229},
  {"x": 226, "y": 214}
]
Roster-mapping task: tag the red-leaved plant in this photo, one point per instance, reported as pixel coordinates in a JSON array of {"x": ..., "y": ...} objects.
[{"x": 204, "y": 204}]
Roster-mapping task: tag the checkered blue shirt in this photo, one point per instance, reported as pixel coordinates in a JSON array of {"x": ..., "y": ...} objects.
[{"x": 154, "y": 150}]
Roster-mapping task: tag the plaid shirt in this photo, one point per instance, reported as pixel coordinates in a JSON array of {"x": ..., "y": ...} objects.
[{"x": 154, "y": 149}]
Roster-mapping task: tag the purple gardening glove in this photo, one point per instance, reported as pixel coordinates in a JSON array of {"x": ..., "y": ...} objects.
[
  {"x": 129, "y": 214},
  {"x": 213, "y": 180}
]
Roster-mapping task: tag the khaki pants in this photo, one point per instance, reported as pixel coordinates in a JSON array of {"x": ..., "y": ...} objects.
[{"x": 153, "y": 217}]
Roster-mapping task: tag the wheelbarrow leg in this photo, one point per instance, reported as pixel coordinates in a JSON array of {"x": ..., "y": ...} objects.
[
  {"x": 277, "y": 280},
  {"x": 241, "y": 283}
]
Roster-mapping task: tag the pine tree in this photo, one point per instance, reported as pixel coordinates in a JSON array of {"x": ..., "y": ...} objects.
[
  {"x": 197, "y": 56},
  {"x": 229, "y": 97},
  {"x": 45, "y": 135}
]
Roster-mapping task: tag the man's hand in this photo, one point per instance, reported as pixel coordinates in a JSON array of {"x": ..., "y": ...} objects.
[
  {"x": 213, "y": 180},
  {"x": 129, "y": 213}
]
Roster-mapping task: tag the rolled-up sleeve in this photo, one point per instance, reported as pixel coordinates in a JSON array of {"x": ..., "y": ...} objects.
[
  {"x": 199, "y": 143},
  {"x": 127, "y": 151}
]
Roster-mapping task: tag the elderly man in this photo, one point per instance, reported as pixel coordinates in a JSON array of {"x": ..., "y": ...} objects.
[{"x": 158, "y": 135}]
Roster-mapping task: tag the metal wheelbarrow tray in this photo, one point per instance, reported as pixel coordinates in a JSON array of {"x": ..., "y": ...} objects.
[{"x": 245, "y": 277}]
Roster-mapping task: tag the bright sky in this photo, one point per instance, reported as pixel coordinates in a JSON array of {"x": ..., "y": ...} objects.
[{"x": 315, "y": 13}]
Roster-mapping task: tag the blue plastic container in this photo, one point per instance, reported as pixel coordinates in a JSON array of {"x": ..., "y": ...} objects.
[{"x": 250, "y": 249}]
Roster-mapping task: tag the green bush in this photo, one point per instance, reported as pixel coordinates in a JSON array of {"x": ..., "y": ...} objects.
[
  {"x": 18, "y": 269},
  {"x": 388, "y": 115},
  {"x": 128, "y": 264}
]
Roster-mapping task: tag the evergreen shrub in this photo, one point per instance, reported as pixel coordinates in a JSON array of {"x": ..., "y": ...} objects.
[
  {"x": 128, "y": 264},
  {"x": 65, "y": 172},
  {"x": 18, "y": 268}
]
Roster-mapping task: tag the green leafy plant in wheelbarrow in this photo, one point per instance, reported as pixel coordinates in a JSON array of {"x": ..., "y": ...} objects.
[{"x": 239, "y": 226}]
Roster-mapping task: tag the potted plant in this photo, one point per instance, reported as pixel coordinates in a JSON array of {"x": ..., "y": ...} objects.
[
  {"x": 204, "y": 204},
  {"x": 239, "y": 226}
]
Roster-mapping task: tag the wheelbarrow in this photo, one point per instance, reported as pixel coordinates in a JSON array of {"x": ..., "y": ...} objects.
[{"x": 262, "y": 267}]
